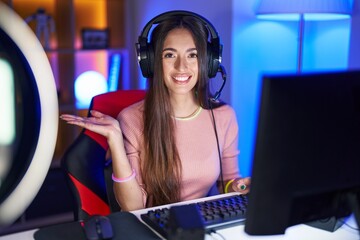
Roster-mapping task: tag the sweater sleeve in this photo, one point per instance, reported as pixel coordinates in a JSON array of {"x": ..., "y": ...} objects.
[{"x": 132, "y": 129}]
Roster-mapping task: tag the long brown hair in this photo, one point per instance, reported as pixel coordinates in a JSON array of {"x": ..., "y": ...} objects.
[{"x": 161, "y": 169}]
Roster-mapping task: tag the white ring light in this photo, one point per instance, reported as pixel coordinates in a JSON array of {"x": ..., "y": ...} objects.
[{"x": 24, "y": 193}]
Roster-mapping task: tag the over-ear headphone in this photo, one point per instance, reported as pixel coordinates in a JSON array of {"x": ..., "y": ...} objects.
[{"x": 145, "y": 51}]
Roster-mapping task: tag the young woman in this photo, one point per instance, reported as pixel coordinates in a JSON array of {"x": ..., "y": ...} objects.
[{"x": 164, "y": 149}]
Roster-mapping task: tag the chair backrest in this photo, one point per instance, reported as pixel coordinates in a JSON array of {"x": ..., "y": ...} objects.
[{"x": 85, "y": 163}]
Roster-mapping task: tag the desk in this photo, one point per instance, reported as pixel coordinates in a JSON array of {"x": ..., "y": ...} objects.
[{"x": 298, "y": 232}]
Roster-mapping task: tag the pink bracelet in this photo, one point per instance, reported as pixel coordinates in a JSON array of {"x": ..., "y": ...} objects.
[{"x": 121, "y": 180}]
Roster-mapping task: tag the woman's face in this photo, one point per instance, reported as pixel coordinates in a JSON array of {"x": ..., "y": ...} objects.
[{"x": 180, "y": 63}]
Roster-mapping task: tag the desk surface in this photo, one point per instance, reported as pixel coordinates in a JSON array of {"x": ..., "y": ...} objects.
[{"x": 298, "y": 232}]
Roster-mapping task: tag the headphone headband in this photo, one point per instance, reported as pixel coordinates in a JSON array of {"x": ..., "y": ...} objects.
[
  {"x": 158, "y": 19},
  {"x": 145, "y": 51}
]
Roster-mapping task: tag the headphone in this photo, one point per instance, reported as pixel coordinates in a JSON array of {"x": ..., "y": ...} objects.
[{"x": 145, "y": 51}]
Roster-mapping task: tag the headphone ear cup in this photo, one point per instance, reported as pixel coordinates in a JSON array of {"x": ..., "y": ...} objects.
[
  {"x": 146, "y": 58},
  {"x": 214, "y": 58},
  {"x": 151, "y": 61},
  {"x": 210, "y": 61}
]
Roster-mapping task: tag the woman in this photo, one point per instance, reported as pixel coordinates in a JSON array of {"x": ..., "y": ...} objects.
[{"x": 164, "y": 148}]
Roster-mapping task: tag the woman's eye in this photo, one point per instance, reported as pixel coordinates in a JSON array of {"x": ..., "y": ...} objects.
[
  {"x": 168, "y": 55},
  {"x": 193, "y": 55}
]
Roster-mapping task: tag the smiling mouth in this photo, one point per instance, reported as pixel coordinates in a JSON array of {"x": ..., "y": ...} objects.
[{"x": 182, "y": 79}]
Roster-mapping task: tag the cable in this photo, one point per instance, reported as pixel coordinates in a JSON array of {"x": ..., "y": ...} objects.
[
  {"x": 222, "y": 70},
  {"x": 348, "y": 225},
  {"x": 218, "y": 146},
  {"x": 223, "y": 76},
  {"x": 212, "y": 231}
]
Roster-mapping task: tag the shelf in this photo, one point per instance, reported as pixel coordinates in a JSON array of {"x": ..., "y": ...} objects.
[
  {"x": 72, "y": 51},
  {"x": 67, "y": 57}
]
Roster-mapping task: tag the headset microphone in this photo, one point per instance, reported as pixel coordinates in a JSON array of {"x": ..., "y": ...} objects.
[{"x": 222, "y": 70}]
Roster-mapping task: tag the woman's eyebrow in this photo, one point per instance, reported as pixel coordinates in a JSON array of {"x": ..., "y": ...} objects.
[
  {"x": 191, "y": 49},
  {"x": 174, "y": 50},
  {"x": 169, "y": 49}
]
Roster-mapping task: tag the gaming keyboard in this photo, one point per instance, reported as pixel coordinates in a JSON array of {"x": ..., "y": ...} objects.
[{"x": 215, "y": 214}]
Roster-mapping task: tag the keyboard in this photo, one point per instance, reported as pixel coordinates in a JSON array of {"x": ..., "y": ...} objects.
[{"x": 217, "y": 213}]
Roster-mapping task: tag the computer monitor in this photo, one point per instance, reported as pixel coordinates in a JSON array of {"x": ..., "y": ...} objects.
[
  {"x": 28, "y": 118},
  {"x": 306, "y": 164}
]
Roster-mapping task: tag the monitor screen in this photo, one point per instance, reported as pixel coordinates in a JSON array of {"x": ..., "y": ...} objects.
[
  {"x": 307, "y": 153},
  {"x": 28, "y": 118}
]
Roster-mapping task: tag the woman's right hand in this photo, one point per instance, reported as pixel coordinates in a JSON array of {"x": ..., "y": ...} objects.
[
  {"x": 129, "y": 195},
  {"x": 98, "y": 122}
]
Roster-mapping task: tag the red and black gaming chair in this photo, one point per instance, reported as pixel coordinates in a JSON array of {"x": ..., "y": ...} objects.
[{"x": 85, "y": 163}]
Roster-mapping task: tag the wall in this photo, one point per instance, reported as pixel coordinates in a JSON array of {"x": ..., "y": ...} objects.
[
  {"x": 260, "y": 46},
  {"x": 354, "y": 51}
]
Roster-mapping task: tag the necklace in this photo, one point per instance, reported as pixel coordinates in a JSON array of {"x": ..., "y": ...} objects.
[{"x": 191, "y": 116}]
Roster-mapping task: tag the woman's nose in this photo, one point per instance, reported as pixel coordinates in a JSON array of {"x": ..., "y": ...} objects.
[{"x": 181, "y": 63}]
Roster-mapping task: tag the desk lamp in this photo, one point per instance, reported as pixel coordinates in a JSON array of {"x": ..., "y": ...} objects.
[{"x": 301, "y": 11}]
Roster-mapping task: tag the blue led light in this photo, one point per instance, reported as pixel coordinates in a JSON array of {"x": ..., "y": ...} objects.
[
  {"x": 279, "y": 17},
  {"x": 307, "y": 16},
  {"x": 115, "y": 62}
]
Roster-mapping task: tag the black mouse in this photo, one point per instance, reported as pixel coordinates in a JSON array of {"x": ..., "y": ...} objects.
[{"x": 97, "y": 228}]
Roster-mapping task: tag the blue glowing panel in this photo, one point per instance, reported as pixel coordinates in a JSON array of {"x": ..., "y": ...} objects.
[{"x": 114, "y": 71}]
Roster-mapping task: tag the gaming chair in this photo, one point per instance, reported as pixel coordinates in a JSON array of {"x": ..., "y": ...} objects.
[{"x": 85, "y": 164}]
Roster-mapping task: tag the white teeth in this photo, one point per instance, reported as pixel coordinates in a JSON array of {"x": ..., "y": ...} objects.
[{"x": 181, "y": 78}]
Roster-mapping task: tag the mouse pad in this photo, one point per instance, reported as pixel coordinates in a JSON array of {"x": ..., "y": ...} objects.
[{"x": 125, "y": 225}]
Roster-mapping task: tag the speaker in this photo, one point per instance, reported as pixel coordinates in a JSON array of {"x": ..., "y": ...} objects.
[{"x": 145, "y": 51}]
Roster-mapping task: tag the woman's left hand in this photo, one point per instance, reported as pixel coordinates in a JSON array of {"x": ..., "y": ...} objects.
[{"x": 242, "y": 185}]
